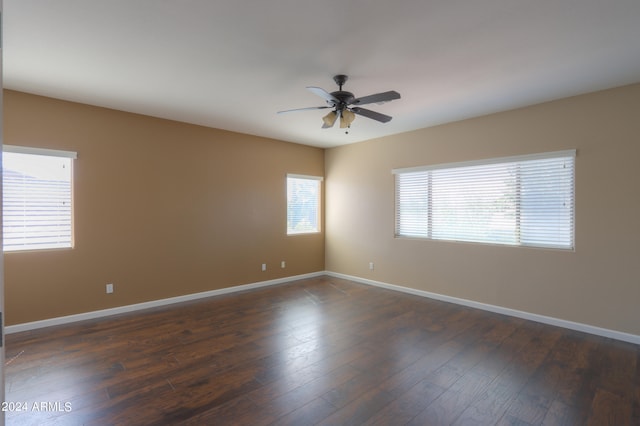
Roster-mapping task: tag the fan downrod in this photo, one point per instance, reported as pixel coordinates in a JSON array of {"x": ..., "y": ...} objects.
[{"x": 340, "y": 79}]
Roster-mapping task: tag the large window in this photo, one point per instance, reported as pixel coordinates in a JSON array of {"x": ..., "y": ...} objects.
[
  {"x": 37, "y": 196},
  {"x": 303, "y": 204},
  {"x": 525, "y": 200}
]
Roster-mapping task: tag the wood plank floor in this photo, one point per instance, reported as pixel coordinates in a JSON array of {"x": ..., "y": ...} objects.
[{"x": 319, "y": 351}]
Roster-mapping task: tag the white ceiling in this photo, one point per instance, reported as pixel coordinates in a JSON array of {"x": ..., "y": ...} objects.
[{"x": 232, "y": 64}]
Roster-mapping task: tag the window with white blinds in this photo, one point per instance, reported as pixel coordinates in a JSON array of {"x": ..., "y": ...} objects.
[
  {"x": 37, "y": 197},
  {"x": 303, "y": 204},
  {"x": 524, "y": 200}
]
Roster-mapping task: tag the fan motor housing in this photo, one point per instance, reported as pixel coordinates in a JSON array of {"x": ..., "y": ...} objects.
[{"x": 344, "y": 97}]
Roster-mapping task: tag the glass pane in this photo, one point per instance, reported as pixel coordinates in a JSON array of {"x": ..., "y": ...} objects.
[
  {"x": 516, "y": 202},
  {"x": 36, "y": 201},
  {"x": 412, "y": 204},
  {"x": 475, "y": 203},
  {"x": 303, "y": 204}
]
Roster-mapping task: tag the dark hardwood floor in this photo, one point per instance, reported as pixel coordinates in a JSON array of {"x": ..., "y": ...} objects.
[{"x": 319, "y": 351}]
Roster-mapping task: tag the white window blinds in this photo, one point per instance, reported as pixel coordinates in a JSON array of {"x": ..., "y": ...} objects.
[
  {"x": 303, "y": 204},
  {"x": 37, "y": 197},
  {"x": 526, "y": 200}
]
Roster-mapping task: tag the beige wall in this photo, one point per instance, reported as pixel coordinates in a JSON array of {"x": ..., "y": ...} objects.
[
  {"x": 165, "y": 209},
  {"x": 598, "y": 284},
  {"x": 161, "y": 209}
]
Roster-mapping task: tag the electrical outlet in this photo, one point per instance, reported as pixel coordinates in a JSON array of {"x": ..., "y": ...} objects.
[
  {"x": 109, "y": 288},
  {"x": 371, "y": 266},
  {"x": 283, "y": 264},
  {"x": 264, "y": 267}
]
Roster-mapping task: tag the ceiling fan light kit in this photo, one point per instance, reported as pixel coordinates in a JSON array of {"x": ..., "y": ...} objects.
[
  {"x": 345, "y": 105},
  {"x": 346, "y": 119},
  {"x": 329, "y": 120}
]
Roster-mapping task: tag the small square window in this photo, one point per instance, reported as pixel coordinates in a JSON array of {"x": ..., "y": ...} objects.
[
  {"x": 37, "y": 198},
  {"x": 303, "y": 204}
]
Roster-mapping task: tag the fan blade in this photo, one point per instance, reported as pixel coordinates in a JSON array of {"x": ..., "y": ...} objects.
[
  {"x": 371, "y": 114},
  {"x": 303, "y": 109},
  {"x": 332, "y": 100},
  {"x": 378, "y": 97}
]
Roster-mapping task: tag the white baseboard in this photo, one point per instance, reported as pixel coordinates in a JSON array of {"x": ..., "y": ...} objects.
[
  {"x": 152, "y": 304},
  {"x": 618, "y": 335}
]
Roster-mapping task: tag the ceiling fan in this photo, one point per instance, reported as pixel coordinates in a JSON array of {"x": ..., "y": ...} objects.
[{"x": 346, "y": 106}]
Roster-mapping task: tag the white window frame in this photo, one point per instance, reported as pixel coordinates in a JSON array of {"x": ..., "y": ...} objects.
[
  {"x": 438, "y": 207},
  {"x": 13, "y": 242},
  {"x": 318, "y": 219}
]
